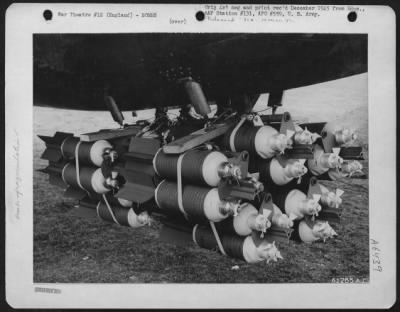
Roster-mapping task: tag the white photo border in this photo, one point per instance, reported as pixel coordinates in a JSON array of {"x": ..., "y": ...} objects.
[{"x": 24, "y": 20}]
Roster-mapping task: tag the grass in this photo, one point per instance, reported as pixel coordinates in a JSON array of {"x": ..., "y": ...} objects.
[{"x": 68, "y": 249}]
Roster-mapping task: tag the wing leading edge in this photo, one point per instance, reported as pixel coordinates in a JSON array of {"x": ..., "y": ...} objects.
[{"x": 145, "y": 70}]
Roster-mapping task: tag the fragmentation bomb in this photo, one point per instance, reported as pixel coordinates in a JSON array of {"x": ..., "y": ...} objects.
[{"x": 238, "y": 186}]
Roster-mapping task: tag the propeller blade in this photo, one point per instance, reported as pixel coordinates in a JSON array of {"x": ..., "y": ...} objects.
[
  {"x": 289, "y": 133},
  {"x": 292, "y": 216},
  {"x": 336, "y": 150},
  {"x": 266, "y": 213},
  {"x": 339, "y": 192},
  {"x": 315, "y": 136},
  {"x": 316, "y": 197}
]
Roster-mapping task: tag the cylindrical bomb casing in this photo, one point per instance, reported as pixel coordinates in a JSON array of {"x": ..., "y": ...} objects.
[
  {"x": 295, "y": 202},
  {"x": 235, "y": 246},
  {"x": 348, "y": 168},
  {"x": 199, "y": 203},
  {"x": 272, "y": 173},
  {"x": 304, "y": 136},
  {"x": 335, "y": 174},
  {"x": 342, "y": 135},
  {"x": 232, "y": 244},
  {"x": 245, "y": 222},
  {"x": 322, "y": 162},
  {"x": 91, "y": 179},
  {"x": 266, "y": 251},
  {"x": 193, "y": 198},
  {"x": 311, "y": 231},
  {"x": 239, "y": 144},
  {"x": 306, "y": 233},
  {"x": 124, "y": 216},
  {"x": 329, "y": 198},
  {"x": 262, "y": 140},
  {"x": 198, "y": 167},
  {"x": 277, "y": 218},
  {"x": 280, "y": 219},
  {"x": 89, "y": 153}
]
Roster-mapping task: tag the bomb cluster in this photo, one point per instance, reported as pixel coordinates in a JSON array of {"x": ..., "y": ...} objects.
[{"x": 241, "y": 184}]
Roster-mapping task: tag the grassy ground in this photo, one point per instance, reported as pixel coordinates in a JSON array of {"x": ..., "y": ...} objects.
[{"x": 70, "y": 249}]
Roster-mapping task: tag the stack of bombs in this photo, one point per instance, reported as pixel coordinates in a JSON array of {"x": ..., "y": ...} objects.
[
  {"x": 83, "y": 169},
  {"x": 281, "y": 175},
  {"x": 228, "y": 224},
  {"x": 293, "y": 182},
  {"x": 288, "y": 200},
  {"x": 67, "y": 156}
]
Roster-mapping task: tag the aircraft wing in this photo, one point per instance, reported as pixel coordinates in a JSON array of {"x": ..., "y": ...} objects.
[{"x": 144, "y": 70}]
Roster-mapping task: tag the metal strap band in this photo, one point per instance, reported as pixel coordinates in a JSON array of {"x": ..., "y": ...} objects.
[
  {"x": 221, "y": 248},
  {"x": 62, "y": 147},
  {"x": 194, "y": 234},
  {"x": 233, "y": 134},
  {"x": 78, "y": 178},
  {"x": 63, "y": 172},
  {"x": 97, "y": 208},
  {"x": 154, "y": 160},
  {"x": 179, "y": 183},
  {"x": 110, "y": 210}
]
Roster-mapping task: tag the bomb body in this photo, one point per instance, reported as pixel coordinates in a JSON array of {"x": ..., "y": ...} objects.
[
  {"x": 264, "y": 141},
  {"x": 322, "y": 162},
  {"x": 273, "y": 174},
  {"x": 116, "y": 210},
  {"x": 197, "y": 167},
  {"x": 248, "y": 220},
  {"x": 341, "y": 135},
  {"x": 198, "y": 203},
  {"x": 294, "y": 202},
  {"x": 235, "y": 246},
  {"x": 310, "y": 231},
  {"x": 86, "y": 178},
  {"x": 89, "y": 153}
]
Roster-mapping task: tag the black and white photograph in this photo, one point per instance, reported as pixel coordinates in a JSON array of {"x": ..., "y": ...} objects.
[
  {"x": 199, "y": 158},
  {"x": 195, "y": 146}
]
